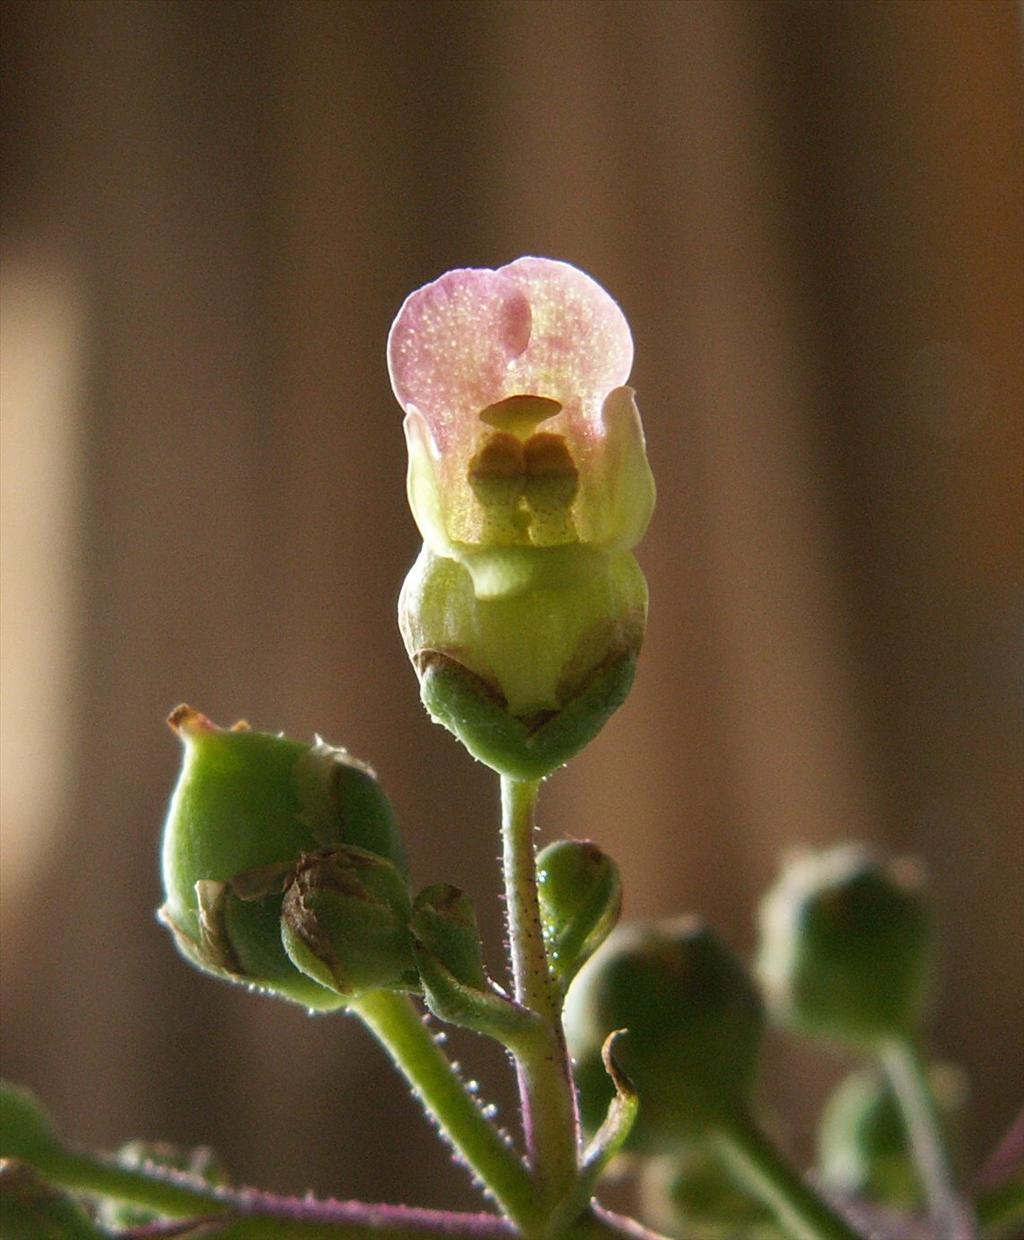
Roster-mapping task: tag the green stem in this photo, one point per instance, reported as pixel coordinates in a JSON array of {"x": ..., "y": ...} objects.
[
  {"x": 768, "y": 1176},
  {"x": 905, "y": 1068},
  {"x": 545, "y": 1080},
  {"x": 248, "y": 1214},
  {"x": 409, "y": 1042},
  {"x": 280, "y": 1229},
  {"x": 165, "y": 1192}
]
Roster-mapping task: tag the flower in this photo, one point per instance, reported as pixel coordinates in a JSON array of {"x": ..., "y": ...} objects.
[
  {"x": 529, "y": 482},
  {"x": 521, "y": 434}
]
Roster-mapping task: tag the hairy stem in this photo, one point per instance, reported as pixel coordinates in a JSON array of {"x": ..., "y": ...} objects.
[
  {"x": 250, "y": 1214},
  {"x": 171, "y": 1193},
  {"x": 758, "y": 1165},
  {"x": 545, "y": 1081},
  {"x": 401, "y": 1030},
  {"x": 905, "y": 1068}
]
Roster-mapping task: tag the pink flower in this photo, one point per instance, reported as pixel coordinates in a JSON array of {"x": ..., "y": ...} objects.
[{"x": 520, "y": 431}]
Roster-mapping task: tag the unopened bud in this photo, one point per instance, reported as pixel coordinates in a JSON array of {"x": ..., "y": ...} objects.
[
  {"x": 846, "y": 946},
  {"x": 580, "y": 900},
  {"x": 246, "y": 807},
  {"x": 445, "y": 922},
  {"x": 693, "y": 1025},
  {"x": 345, "y": 923}
]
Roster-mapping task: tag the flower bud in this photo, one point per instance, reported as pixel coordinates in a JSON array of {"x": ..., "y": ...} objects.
[
  {"x": 444, "y": 920},
  {"x": 693, "y": 1024},
  {"x": 863, "y": 1147},
  {"x": 247, "y": 806},
  {"x": 580, "y": 900},
  {"x": 345, "y": 922},
  {"x": 449, "y": 956},
  {"x": 846, "y": 946}
]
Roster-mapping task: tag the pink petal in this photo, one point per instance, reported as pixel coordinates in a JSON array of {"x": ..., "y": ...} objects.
[
  {"x": 475, "y": 336},
  {"x": 580, "y": 343},
  {"x": 451, "y": 345}
]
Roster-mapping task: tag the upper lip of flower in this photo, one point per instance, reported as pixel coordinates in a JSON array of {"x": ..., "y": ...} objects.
[
  {"x": 474, "y": 338},
  {"x": 511, "y": 380}
]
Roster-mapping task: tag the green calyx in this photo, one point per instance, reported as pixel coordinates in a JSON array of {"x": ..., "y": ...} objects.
[
  {"x": 247, "y": 808},
  {"x": 523, "y": 750},
  {"x": 846, "y": 947},
  {"x": 694, "y": 1025},
  {"x": 525, "y": 676}
]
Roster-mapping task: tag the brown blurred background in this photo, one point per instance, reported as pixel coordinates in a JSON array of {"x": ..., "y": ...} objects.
[{"x": 812, "y": 215}]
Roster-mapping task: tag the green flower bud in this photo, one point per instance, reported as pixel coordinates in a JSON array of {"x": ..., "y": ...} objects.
[
  {"x": 445, "y": 922},
  {"x": 692, "y": 1195},
  {"x": 345, "y": 922},
  {"x": 846, "y": 946},
  {"x": 693, "y": 1022},
  {"x": 580, "y": 900},
  {"x": 246, "y": 807},
  {"x": 863, "y": 1147},
  {"x": 525, "y": 678},
  {"x": 449, "y": 956}
]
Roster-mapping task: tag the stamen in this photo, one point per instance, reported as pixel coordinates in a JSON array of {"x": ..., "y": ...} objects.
[
  {"x": 552, "y": 483},
  {"x": 497, "y": 476}
]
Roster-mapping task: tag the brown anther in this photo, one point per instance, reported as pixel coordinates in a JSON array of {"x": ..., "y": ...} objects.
[
  {"x": 548, "y": 456},
  {"x": 501, "y": 457},
  {"x": 520, "y": 414}
]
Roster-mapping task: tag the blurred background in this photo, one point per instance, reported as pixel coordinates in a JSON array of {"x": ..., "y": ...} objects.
[{"x": 811, "y": 214}]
